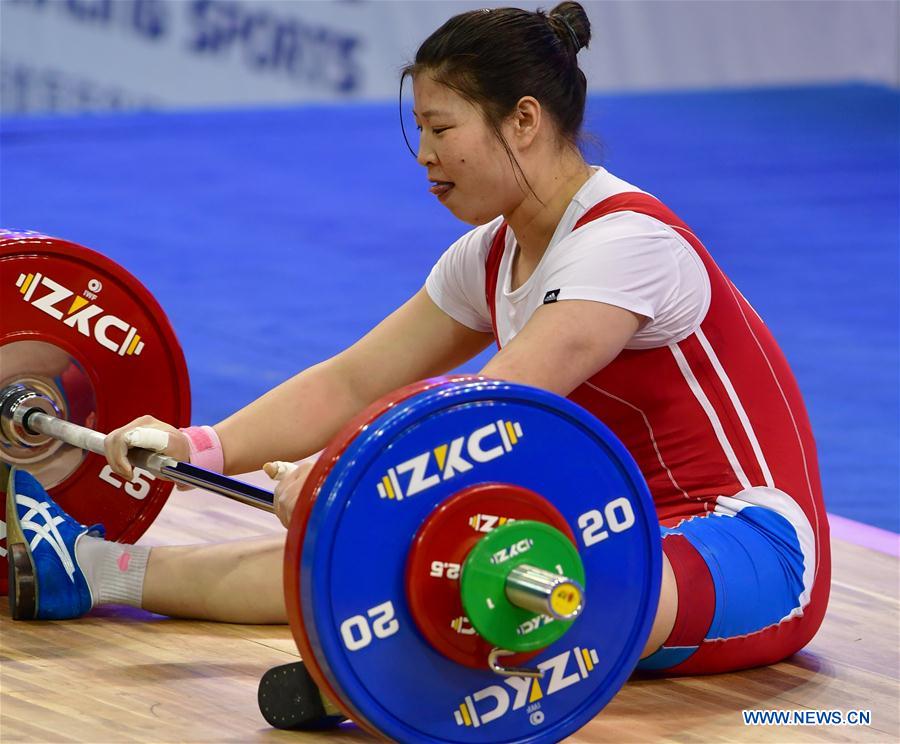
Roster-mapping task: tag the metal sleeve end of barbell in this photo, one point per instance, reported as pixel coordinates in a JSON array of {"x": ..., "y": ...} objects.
[
  {"x": 545, "y": 592},
  {"x": 17, "y": 403}
]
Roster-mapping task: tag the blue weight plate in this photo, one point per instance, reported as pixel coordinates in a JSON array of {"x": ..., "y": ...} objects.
[{"x": 369, "y": 508}]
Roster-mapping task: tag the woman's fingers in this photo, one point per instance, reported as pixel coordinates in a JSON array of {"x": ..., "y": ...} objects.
[
  {"x": 146, "y": 437},
  {"x": 278, "y": 469},
  {"x": 148, "y": 433},
  {"x": 288, "y": 488}
]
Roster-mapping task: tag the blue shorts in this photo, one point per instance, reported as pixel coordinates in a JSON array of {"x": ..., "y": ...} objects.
[{"x": 744, "y": 574}]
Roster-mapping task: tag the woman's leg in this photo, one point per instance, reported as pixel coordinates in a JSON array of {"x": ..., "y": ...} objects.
[
  {"x": 666, "y": 611},
  {"x": 233, "y": 582},
  {"x": 241, "y": 582},
  {"x": 752, "y": 585}
]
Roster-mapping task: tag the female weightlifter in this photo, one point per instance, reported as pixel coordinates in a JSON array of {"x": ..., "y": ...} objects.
[{"x": 592, "y": 289}]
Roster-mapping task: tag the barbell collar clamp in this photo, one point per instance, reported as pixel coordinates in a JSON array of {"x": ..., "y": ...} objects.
[{"x": 510, "y": 671}]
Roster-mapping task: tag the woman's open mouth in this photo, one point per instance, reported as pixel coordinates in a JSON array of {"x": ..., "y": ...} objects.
[{"x": 441, "y": 188}]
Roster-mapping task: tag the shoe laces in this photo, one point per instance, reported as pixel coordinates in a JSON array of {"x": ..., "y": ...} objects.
[{"x": 47, "y": 531}]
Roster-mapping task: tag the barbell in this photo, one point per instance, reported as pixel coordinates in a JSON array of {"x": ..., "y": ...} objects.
[{"x": 469, "y": 559}]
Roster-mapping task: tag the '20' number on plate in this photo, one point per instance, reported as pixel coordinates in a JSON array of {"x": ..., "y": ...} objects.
[
  {"x": 358, "y": 631},
  {"x": 617, "y": 516}
]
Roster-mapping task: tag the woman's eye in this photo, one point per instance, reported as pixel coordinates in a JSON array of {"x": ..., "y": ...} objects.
[{"x": 435, "y": 130}]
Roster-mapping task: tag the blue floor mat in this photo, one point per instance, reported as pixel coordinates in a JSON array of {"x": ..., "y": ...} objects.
[{"x": 274, "y": 238}]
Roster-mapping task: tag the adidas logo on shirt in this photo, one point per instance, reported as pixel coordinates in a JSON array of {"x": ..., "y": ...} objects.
[{"x": 551, "y": 296}]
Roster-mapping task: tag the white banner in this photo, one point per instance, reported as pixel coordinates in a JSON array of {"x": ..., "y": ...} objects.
[{"x": 64, "y": 55}]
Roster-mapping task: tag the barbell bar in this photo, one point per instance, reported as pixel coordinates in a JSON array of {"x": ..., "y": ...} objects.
[{"x": 25, "y": 414}]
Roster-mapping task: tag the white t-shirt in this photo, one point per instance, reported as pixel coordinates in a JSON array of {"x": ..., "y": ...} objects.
[{"x": 625, "y": 259}]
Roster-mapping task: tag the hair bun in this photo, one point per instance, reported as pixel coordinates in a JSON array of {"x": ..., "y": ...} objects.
[{"x": 571, "y": 23}]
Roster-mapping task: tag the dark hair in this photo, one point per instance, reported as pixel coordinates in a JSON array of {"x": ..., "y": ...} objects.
[{"x": 494, "y": 57}]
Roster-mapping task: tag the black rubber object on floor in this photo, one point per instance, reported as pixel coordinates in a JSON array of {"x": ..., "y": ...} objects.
[{"x": 289, "y": 699}]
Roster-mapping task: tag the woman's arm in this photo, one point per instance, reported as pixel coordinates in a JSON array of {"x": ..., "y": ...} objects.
[
  {"x": 301, "y": 415},
  {"x": 564, "y": 344},
  {"x": 560, "y": 347}
]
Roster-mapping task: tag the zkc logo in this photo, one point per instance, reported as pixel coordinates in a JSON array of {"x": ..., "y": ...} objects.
[
  {"x": 443, "y": 462},
  {"x": 86, "y": 317}
]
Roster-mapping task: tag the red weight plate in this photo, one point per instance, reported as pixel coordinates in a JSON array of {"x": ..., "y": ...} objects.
[
  {"x": 437, "y": 554},
  {"x": 300, "y": 520},
  {"x": 80, "y": 328}
]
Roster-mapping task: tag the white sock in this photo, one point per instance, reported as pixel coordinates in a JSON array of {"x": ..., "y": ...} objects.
[{"x": 114, "y": 571}]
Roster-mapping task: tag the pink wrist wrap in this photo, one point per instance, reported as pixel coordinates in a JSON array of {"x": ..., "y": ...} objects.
[{"x": 206, "y": 449}]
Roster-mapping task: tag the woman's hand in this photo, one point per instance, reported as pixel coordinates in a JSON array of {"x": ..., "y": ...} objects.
[
  {"x": 290, "y": 481},
  {"x": 142, "y": 432}
]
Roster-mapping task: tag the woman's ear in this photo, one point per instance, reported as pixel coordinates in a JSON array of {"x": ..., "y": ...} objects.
[{"x": 526, "y": 120}]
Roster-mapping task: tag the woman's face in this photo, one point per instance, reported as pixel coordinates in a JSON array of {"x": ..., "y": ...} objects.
[{"x": 468, "y": 169}]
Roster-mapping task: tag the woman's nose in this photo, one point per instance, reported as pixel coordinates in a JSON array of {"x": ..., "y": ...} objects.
[{"x": 425, "y": 156}]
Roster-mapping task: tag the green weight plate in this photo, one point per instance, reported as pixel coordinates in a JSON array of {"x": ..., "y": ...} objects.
[{"x": 483, "y": 584}]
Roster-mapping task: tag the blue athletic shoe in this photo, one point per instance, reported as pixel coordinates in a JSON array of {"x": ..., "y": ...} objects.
[{"x": 45, "y": 581}]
